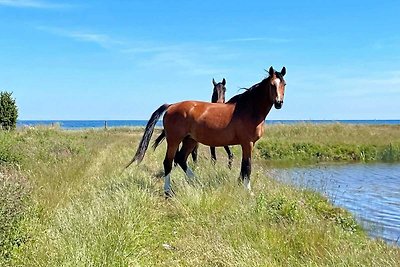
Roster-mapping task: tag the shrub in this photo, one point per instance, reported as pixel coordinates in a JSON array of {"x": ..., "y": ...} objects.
[
  {"x": 8, "y": 111},
  {"x": 9, "y": 153},
  {"x": 278, "y": 209}
]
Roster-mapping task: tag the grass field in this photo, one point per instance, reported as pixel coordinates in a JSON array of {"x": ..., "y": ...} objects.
[
  {"x": 66, "y": 201},
  {"x": 331, "y": 142}
]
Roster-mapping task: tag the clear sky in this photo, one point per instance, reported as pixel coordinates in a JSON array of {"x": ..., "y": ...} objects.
[{"x": 122, "y": 59}]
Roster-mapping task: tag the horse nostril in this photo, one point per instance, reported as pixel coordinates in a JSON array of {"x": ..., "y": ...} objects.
[{"x": 278, "y": 104}]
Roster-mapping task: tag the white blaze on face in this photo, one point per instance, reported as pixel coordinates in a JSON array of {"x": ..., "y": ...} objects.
[{"x": 277, "y": 83}]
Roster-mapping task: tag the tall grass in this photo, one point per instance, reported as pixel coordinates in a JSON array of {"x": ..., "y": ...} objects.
[
  {"x": 88, "y": 211},
  {"x": 332, "y": 142},
  {"x": 14, "y": 192}
]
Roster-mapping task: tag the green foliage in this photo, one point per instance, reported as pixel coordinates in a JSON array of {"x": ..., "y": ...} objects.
[
  {"x": 313, "y": 144},
  {"x": 49, "y": 145},
  {"x": 30, "y": 146},
  {"x": 14, "y": 192},
  {"x": 278, "y": 209},
  {"x": 9, "y": 153},
  {"x": 8, "y": 111},
  {"x": 390, "y": 153},
  {"x": 316, "y": 152}
]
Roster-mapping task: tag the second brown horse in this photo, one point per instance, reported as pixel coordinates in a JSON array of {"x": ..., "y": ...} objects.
[{"x": 218, "y": 96}]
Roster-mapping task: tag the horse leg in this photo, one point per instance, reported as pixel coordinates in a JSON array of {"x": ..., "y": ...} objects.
[
  {"x": 245, "y": 169},
  {"x": 194, "y": 153},
  {"x": 213, "y": 156},
  {"x": 230, "y": 156},
  {"x": 169, "y": 158},
  {"x": 188, "y": 144}
]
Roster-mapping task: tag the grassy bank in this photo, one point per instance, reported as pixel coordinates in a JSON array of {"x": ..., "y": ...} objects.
[
  {"x": 77, "y": 207},
  {"x": 331, "y": 142}
]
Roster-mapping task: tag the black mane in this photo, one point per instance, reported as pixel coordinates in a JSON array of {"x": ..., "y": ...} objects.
[{"x": 248, "y": 91}]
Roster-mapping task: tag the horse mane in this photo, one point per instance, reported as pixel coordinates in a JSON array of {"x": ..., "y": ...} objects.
[
  {"x": 250, "y": 90},
  {"x": 247, "y": 92}
]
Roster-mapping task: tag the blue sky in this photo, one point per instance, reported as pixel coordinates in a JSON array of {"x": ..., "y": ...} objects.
[{"x": 123, "y": 59}]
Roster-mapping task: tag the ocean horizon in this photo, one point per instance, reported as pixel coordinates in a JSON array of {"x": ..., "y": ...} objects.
[{"x": 83, "y": 124}]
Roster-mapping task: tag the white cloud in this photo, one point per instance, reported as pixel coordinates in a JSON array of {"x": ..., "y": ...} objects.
[
  {"x": 147, "y": 48},
  {"x": 101, "y": 39},
  {"x": 30, "y": 4},
  {"x": 83, "y": 36},
  {"x": 256, "y": 39},
  {"x": 185, "y": 58},
  {"x": 200, "y": 58},
  {"x": 196, "y": 59}
]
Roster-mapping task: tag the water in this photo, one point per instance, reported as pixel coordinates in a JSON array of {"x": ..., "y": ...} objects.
[
  {"x": 81, "y": 124},
  {"x": 370, "y": 191}
]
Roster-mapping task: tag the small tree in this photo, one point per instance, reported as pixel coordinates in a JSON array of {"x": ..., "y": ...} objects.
[{"x": 8, "y": 111}]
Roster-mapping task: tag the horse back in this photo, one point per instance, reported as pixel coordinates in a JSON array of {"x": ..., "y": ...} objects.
[{"x": 207, "y": 123}]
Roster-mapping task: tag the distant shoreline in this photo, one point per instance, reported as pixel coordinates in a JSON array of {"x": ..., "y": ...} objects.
[{"x": 82, "y": 124}]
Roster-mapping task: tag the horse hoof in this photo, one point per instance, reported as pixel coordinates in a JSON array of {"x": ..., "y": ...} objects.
[{"x": 168, "y": 194}]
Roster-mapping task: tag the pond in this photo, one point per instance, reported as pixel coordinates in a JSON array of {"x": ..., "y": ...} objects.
[{"x": 370, "y": 191}]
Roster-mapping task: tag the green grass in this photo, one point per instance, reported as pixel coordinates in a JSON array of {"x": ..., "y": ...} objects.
[
  {"x": 332, "y": 142},
  {"x": 80, "y": 208},
  {"x": 14, "y": 192}
]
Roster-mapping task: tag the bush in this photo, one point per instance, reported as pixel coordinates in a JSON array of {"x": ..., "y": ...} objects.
[
  {"x": 8, "y": 111},
  {"x": 278, "y": 209},
  {"x": 9, "y": 153}
]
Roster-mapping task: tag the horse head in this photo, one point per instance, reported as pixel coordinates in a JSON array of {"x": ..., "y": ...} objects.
[
  {"x": 278, "y": 84},
  {"x": 218, "y": 95}
]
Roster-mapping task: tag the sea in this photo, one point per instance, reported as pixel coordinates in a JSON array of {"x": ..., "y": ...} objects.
[{"x": 84, "y": 124}]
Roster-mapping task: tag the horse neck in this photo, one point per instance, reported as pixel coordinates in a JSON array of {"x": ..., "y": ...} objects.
[{"x": 261, "y": 102}]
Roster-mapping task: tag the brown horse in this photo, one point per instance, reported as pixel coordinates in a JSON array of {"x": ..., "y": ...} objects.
[
  {"x": 218, "y": 96},
  {"x": 240, "y": 121}
]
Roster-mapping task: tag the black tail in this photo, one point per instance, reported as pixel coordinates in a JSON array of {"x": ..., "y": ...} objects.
[
  {"x": 159, "y": 139},
  {"x": 148, "y": 132}
]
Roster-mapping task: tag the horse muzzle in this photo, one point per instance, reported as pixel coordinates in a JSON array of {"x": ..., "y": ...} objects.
[{"x": 278, "y": 104}]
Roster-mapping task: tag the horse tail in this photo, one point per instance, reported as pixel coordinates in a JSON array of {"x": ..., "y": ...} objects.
[
  {"x": 148, "y": 132},
  {"x": 159, "y": 139}
]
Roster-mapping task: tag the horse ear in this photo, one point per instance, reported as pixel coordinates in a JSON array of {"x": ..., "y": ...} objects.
[
  {"x": 283, "y": 71},
  {"x": 214, "y": 83},
  {"x": 223, "y": 81},
  {"x": 271, "y": 71}
]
